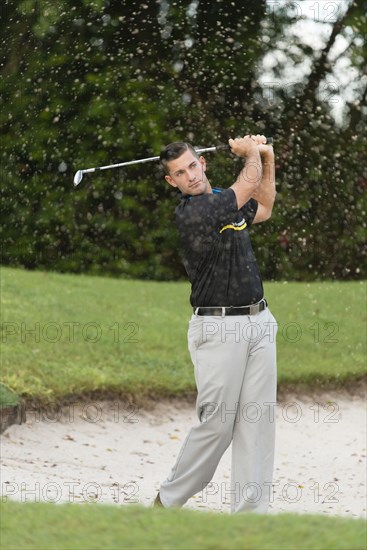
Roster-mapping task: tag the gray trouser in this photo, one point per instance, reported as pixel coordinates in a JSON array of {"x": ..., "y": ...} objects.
[{"x": 234, "y": 361}]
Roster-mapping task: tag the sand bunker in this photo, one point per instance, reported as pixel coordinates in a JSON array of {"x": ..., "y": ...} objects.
[{"x": 109, "y": 452}]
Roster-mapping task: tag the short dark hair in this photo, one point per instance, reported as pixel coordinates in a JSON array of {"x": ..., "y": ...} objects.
[{"x": 173, "y": 151}]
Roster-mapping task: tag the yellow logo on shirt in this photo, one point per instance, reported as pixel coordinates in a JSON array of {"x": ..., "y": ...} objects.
[{"x": 235, "y": 226}]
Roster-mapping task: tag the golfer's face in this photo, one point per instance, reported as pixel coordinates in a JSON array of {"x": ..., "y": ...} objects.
[{"x": 188, "y": 174}]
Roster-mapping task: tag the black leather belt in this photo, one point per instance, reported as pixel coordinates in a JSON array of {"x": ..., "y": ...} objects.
[{"x": 232, "y": 310}]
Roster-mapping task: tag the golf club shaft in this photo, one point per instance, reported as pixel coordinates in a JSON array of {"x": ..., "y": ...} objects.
[
  {"x": 79, "y": 174},
  {"x": 149, "y": 159}
]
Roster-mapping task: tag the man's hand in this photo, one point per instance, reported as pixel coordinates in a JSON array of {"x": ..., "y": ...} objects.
[
  {"x": 264, "y": 149},
  {"x": 244, "y": 147}
]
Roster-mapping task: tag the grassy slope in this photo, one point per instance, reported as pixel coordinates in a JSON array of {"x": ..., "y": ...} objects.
[
  {"x": 9, "y": 397},
  {"x": 141, "y": 346},
  {"x": 83, "y": 526}
]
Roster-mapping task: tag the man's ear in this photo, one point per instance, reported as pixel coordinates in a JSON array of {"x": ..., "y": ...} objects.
[
  {"x": 170, "y": 181},
  {"x": 203, "y": 162}
]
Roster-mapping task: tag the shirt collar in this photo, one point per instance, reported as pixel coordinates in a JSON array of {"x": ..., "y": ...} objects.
[{"x": 182, "y": 196}]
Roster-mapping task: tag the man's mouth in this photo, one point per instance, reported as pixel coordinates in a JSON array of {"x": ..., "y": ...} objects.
[{"x": 194, "y": 184}]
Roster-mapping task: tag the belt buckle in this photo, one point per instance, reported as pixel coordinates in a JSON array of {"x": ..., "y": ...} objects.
[{"x": 254, "y": 308}]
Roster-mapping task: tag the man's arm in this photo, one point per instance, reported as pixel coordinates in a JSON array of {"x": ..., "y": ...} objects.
[
  {"x": 265, "y": 192},
  {"x": 249, "y": 178}
]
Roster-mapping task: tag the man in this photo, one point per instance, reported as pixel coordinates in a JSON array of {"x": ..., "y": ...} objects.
[{"x": 231, "y": 335}]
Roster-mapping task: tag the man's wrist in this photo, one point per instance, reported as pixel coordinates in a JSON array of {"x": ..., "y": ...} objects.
[{"x": 253, "y": 156}]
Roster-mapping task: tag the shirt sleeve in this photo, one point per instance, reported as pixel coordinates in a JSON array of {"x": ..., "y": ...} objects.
[{"x": 249, "y": 210}]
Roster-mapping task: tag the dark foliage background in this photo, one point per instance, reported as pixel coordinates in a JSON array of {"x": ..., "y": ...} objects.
[{"x": 93, "y": 82}]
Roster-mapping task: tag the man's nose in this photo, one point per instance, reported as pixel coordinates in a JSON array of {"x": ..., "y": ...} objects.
[{"x": 191, "y": 175}]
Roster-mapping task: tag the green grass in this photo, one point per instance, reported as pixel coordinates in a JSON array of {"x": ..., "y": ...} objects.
[
  {"x": 85, "y": 526},
  {"x": 141, "y": 350},
  {"x": 140, "y": 328},
  {"x": 8, "y": 397}
]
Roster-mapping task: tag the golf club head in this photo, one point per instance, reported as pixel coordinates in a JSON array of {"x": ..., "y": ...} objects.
[{"x": 78, "y": 177}]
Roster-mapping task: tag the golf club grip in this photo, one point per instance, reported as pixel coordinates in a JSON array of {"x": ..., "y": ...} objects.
[{"x": 225, "y": 147}]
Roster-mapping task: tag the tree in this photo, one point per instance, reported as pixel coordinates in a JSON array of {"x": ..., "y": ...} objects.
[{"x": 91, "y": 82}]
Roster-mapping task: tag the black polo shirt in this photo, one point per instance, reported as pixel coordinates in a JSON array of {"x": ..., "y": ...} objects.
[{"x": 217, "y": 251}]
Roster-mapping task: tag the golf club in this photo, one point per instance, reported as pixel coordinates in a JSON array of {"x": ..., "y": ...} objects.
[{"x": 79, "y": 174}]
